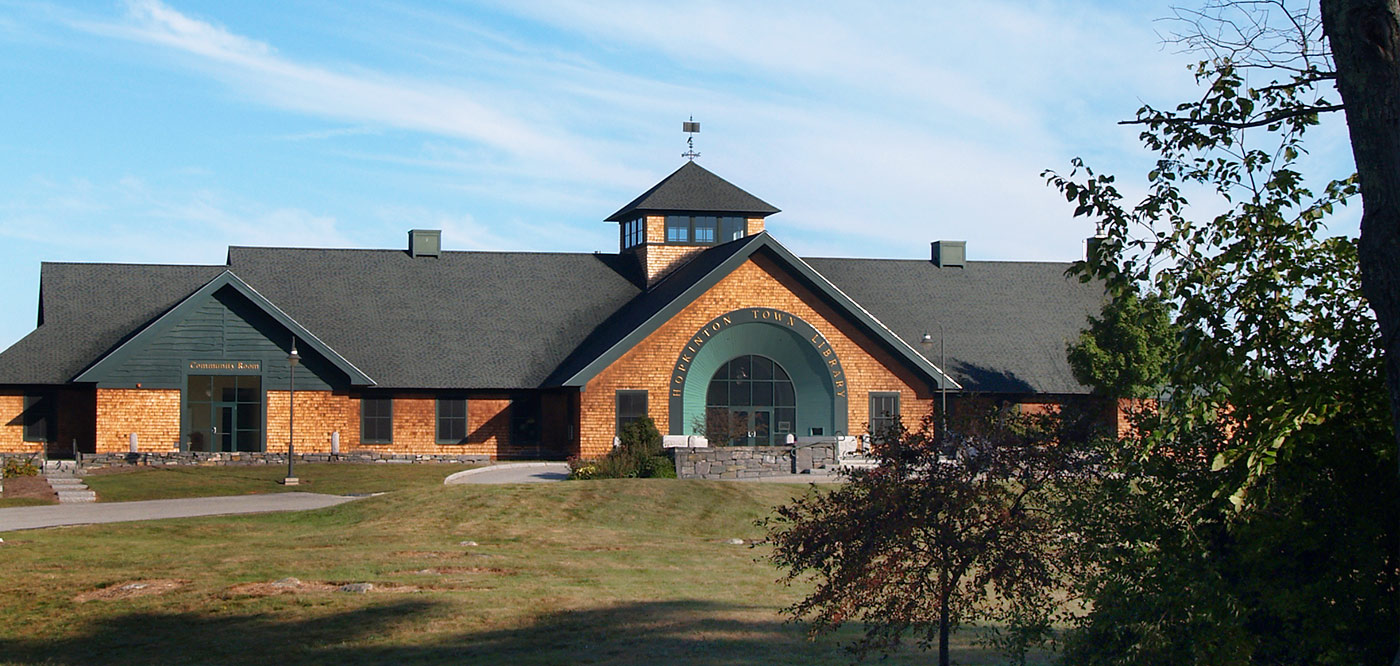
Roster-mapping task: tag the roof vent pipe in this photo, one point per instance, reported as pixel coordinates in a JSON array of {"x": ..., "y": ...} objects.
[
  {"x": 425, "y": 243},
  {"x": 950, "y": 254}
]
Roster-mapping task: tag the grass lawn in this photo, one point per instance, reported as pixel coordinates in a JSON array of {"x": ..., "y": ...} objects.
[
  {"x": 631, "y": 571},
  {"x": 336, "y": 479},
  {"x": 8, "y": 502}
]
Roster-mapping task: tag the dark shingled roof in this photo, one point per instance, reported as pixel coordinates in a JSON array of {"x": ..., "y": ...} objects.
[
  {"x": 89, "y": 309},
  {"x": 468, "y": 320},
  {"x": 508, "y": 320},
  {"x": 1006, "y": 322},
  {"x": 692, "y": 189}
]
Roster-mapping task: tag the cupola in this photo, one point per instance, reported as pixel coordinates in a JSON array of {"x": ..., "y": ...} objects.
[{"x": 686, "y": 212}]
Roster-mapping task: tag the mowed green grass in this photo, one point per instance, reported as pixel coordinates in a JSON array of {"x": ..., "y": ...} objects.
[
  {"x": 631, "y": 571},
  {"x": 335, "y": 479}
]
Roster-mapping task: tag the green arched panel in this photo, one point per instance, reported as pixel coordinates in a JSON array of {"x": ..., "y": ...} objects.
[{"x": 816, "y": 372}]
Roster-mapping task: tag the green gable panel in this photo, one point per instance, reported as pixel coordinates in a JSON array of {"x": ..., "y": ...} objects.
[{"x": 223, "y": 332}]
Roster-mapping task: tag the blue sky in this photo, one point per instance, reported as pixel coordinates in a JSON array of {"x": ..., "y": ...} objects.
[{"x": 150, "y": 131}]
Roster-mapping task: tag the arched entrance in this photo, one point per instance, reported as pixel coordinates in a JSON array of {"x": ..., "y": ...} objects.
[
  {"x": 786, "y": 341},
  {"x": 750, "y": 401}
]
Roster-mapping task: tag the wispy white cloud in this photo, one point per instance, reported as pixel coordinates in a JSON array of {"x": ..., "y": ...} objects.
[{"x": 362, "y": 96}]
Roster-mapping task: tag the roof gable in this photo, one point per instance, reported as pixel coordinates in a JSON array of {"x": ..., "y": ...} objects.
[
  {"x": 650, "y": 311},
  {"x": 692, "y": 188},
  {"x": 191, "y": 304}
]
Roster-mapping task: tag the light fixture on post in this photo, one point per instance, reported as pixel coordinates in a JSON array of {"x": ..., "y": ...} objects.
[
  {"x": 293, "y": 359},
  {"x": 927, "y": 343}
]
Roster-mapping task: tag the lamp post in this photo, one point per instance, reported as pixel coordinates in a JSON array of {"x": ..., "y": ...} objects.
[
  {"x": 293, "y": 359},
  {"x": 927, "y": 343}
]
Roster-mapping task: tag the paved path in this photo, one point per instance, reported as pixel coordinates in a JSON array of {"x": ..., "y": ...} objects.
[
  {"x": 533, "y": 472},
  {"x": 31, "y": 517}
]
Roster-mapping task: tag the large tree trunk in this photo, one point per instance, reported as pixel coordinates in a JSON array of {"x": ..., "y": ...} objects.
[{"x": 1365, "y": 40}]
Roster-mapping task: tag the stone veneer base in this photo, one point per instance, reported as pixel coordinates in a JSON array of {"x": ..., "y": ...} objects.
[{"x": 753, "y": 462}]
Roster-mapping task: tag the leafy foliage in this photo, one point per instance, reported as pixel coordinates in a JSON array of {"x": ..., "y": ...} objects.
[
  {"x": 1269, "y": 309},
  {"x": 1306, "y": 575},
  {"x": 1250, "y": 519},
  {"x": 15, "y": 467},
  {"x": 940, "y": 534},
  {"x": 639, "y": 455},
  {"x": 1124, "y": 353}
]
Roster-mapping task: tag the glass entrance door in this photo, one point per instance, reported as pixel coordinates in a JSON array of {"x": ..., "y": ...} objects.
[
  {"x": 224, "y": 413},
  {"x": 761, "y": 427}
]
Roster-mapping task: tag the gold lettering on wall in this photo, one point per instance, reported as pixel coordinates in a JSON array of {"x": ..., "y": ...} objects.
[{"x": 237, "y": 366}]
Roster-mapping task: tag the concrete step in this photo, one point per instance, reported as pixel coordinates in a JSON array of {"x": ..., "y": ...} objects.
[
  {"x": 66, "y": 482},
  {"x": 859, "y": 461},
  {"x": 76, "y": 496}
]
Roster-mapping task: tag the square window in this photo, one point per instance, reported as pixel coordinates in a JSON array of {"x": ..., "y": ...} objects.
[
  {"x": 677, "y": 229},
  {"x": 376, "y": 420},
  {"x": 452, "y": 420},
  {"x": 631, "y": 405},
  {"x": 705, "y": 228},
  {"x": 884, "y": 413},
  {"x": 525, "y": 419},
  {"x": 38, "y": 418}
]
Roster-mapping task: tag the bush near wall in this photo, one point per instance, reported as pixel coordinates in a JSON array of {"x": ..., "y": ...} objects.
[{"x": 639, "y": 455}]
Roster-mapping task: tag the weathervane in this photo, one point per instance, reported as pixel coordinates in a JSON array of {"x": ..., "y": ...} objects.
[{"x": 692, "y": 128}]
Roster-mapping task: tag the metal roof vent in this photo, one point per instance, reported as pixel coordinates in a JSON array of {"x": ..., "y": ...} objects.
[
  {"x": 950, "y": 254},
  {"x": 425, "y": 243}
]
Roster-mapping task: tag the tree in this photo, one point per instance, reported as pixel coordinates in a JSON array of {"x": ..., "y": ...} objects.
[
  {"x": 940, "y": 534},
  {"x": 1125, "y": 351},
  {"x": 1174, "y": 575},
  {"x": 1203, "y": 545},
  {"x": 1365, "y": 40}
]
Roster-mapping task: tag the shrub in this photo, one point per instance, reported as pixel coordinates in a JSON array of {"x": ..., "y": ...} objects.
[
  {"x": 16, "y": 467},
  {"x": 639, "y": 455}
]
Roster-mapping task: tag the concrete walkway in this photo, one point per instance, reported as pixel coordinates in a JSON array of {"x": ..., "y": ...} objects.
[
  {"x": 530, "y": 472},
  {"x": 53, "y": 515}
]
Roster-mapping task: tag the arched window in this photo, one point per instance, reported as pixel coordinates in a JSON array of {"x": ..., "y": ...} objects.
[{"x": 750, "y": 402}]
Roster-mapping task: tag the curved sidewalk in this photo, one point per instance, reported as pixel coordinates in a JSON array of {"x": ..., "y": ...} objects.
[
  {"x": 54, "y": 515},
  {"x": 528, "y": 472}
]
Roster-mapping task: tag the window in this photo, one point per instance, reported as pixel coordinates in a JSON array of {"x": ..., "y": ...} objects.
[
  {"x": 732, "y": 228},
  {"x": 452, "y": 420},
  {"x": 376, "y": 420},
  {"x": 525, "y": 419},
  {"x": 704, "y": 229},
  {"x": 634, "y": 231},
  {"x": 884, "y": 411},
  {"x": 631, "y": 405},
  {"x": 750, "y": 400},
  {"x": 677, "y": 229},
  {"x": 38, "y": 418}
]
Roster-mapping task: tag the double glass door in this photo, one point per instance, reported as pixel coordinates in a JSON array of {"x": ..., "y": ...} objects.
[
  {"x": 224, "y": 413},
  {"x": 755, "y": 426}
]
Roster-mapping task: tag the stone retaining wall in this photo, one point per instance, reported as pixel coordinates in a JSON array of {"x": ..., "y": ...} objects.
[
  {"x": 752, "y": 462},
  {"x": 89, "y": 461}
]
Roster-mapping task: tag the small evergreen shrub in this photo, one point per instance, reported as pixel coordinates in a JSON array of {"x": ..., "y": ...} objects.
[{"x": 639, "y": 455}]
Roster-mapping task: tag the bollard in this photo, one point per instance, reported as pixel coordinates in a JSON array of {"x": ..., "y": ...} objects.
[
  {"x": 131, "y": 441},
  {"x": 335, "y": 443}
]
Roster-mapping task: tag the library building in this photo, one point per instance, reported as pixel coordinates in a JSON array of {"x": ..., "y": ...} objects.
[{"x": 700, "y": 319}]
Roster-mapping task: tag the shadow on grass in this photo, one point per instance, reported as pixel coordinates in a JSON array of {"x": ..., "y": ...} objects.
[{"x": 698, "y": 632}]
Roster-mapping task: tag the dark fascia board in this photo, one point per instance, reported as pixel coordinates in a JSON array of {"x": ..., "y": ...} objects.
[
  {"x": 936, "y": 377},
  {"x": 178, "y": 313}
]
